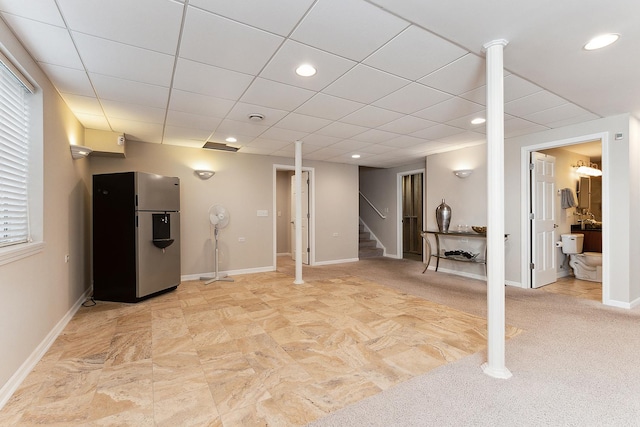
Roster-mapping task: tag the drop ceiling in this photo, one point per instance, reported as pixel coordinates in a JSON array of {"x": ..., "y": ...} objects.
[{"x": 396, "y": 80}]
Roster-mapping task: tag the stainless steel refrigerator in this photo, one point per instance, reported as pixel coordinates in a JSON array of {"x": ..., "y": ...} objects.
[{"x": 136, "y": 235}]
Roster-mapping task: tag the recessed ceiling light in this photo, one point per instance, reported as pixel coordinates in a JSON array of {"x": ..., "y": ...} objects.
[
  {"x": 355, "y": 156},
  {"x": 305, "y": 70},
  {"x": 601, "y": 41},
  {"x": 231, "y": 139},
  {"x": 478, "y": 121}
]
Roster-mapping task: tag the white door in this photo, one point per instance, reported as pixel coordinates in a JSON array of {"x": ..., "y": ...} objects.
[
  {"x": 543, "y": 223},
  {"x": 305, "y": 217}
]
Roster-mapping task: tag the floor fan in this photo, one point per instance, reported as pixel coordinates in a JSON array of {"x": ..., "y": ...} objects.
[{"x": 219, "y": 218}]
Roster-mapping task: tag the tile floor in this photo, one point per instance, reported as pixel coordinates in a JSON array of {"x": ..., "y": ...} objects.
[
  {"x": 571, "y": 286},
  {"x": 257, "y": 351}
]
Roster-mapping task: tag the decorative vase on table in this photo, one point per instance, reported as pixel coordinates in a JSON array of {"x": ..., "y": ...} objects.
[{"x": 443, "y": 217}]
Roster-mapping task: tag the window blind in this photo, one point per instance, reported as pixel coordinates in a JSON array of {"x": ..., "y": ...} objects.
[{"x": 14, "y": 159}]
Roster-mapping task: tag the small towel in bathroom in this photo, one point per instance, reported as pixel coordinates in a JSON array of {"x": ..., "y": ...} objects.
[{"x": 567, "y": 200}]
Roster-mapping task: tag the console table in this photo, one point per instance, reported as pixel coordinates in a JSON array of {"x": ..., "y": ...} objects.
[{"x": 456, "y": 234}]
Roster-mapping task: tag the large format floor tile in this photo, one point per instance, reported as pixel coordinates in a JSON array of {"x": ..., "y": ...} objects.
[{"x": 257, "y": 351}]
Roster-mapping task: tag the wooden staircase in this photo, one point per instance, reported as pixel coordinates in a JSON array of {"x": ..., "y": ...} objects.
[{"x": 367, "y": 246}]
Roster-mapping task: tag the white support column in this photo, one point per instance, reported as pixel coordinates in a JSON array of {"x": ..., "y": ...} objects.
[
  {"x": 495, "y": 365},
  {"x": 298, "y": 220}
]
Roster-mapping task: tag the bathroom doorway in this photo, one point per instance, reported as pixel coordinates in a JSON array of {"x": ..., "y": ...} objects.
[
  {"x": 410, "y": 203},
  {"x": 568, "y": 154}
]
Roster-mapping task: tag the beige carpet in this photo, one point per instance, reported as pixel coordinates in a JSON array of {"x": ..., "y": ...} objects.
[{"x": 576, "y": 364}]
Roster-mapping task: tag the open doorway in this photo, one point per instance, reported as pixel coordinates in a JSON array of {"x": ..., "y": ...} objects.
[
  {"x": 550, "y": 213},
  {"x": 284, "y": 214},
  {"x": 411, "y": 214}
]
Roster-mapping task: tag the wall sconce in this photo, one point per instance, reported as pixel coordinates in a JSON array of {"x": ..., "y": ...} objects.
[
  {"x": 463, "y": 173},
  {"x": 590, "y": 170},
  {"x": 204, "y": 174},
  {"x": 79, "y": 151}
]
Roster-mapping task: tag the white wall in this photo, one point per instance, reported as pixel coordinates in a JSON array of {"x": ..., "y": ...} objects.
[
  {"x": 38, "y": 291},
  {"x": 243, "y": 183},
  {"x": 467, "y": 198}
]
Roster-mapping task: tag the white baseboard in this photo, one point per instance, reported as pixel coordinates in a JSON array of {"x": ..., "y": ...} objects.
[
  {"x": 513, "y": 283},
  {"x": 197, "y": 276},
  {"x": 19, "y": 376},
  {"x": 620, "y": 304},
  {"x": 337, "y": 261}
]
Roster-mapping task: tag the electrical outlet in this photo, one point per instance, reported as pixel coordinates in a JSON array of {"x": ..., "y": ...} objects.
[
  {"x": 241, "y": 239},
  {"x": 66, "y": 258}
]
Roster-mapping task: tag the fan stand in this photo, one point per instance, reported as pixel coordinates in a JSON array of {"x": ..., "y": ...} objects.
[{"x": 217, "y": 277}]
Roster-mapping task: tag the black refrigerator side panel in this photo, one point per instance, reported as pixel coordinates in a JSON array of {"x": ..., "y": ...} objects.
[{"x": 114, "y": 235}]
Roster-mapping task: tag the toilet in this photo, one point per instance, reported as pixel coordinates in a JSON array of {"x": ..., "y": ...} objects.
[{"x": 585, "y": 265}]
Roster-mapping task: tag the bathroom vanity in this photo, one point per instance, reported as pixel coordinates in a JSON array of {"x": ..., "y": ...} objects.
[{"x": 592, "y": 238}]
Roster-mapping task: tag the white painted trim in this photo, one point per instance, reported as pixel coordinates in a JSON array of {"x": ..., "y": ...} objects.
[
  {"x": 187, "y": 277},
  {"x": 338, "y": 261},
  {"x": 283, "y": 254},
  {"x": 13, "y": 253},
  {"x": 312, "y": 210},
  {"x": 27, "y": 366},
  {"x": 512, "y": 283},
  {"x": 399, "y": 175},
  {"x": 620, "y": 304},
  {"x": 525, "y": 186}
]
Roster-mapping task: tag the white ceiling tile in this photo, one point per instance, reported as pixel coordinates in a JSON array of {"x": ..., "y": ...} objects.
[
  {"x": 573, "y": 120},
  {"x": 527, "y": 105},
  {"x": 328, "y": 107},
  {"x": 209, "y": 80},
  {"x": 403, "y": 141},
  {"x": 45, "y": 11},
  {"x": 142, "y": 113},
  {"x": 142, "y": 65},
  {"x": 466, "y": 137},
  {"x": 93, "y": 121},
  {"x": 255, "y": 150},
  {"x": 186, "y": 136},
  {"x": 139, "y": 131},
  {"x": 326, "y": 153},
  {"x": 284, "y": 134},
  {"x": 371, "y": 116},
  {"x": 556, "y": 114},
  {"x": 277, "y": 16},
  {"x": 462, "y": 75},
  {"x": 321, "y": 140},
  {"x": 365, "y": 84},
  {"x": 414, "y": 53},
  {"x": 351, "y": 145},
  {"x": 221, "y": 137},
  {"x": 412, "y": 98},
  {"x": 478, "y": 95},
  {"x": 332, "y": 22},
  {"x": 195, "y": 103},
  {"x": 83, "y": 104},
  {"x": 516, "y": 87},
  {"x": 437, "y": 132},
  {"x": 464, "y": 122},
  {"x": 268, "y": 144},
  {"x": 449, "y": 110},
  {"x": 375, "y": 136},
  {"x": 222, "y": 37},
  {"x": 407, "y": 124},
  {"x": 69, "y": 80},
  {"x": 292, "y": 54},
  {"x": 375, "y": 149},
  {"x": 302, "y": 123},
  {"x": 234, "y": 128},
  {"x": 46, "y": 43},
  {"x": 114, "y": 89},
  {"x": 190, "y": 120},
  {"x": 241, "y": 111},
  {"x": 341, "y": 130},
  {"x": 276, "y": 95},
  {"x": 149, "y": 24}
]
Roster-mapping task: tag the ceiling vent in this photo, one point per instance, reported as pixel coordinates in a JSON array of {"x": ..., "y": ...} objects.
[
  {"x": 256, "y": 117},
  {"x": 218, "y": 146}
]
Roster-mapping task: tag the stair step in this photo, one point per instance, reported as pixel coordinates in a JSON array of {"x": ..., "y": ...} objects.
[
  {"x": 370, "y": 252},
  {"x": 367, "y": 243}
]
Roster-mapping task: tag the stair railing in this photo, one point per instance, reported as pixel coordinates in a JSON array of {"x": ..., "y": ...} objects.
[{"x": 371, "y": 204}]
